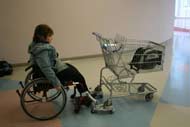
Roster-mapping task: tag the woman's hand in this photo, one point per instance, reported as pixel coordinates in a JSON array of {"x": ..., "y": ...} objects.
[{"x": 58, "y": 87}]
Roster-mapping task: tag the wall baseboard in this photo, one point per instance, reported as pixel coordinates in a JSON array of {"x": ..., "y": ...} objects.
[{"x": 82, "y": 57}]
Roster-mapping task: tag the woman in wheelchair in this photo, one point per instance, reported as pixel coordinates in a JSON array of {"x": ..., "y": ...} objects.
[{"x": 44, "y": 56}]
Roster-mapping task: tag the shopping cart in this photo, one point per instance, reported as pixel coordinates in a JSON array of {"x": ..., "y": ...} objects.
[{"x": 125, "y": 58}]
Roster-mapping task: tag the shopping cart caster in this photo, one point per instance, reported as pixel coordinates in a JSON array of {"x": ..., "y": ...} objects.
[
  {"x": 149, "y": 97},
  {"x": 141, "y": 89}
]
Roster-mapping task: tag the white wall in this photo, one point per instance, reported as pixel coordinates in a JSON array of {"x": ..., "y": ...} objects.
[{"x": 74, "y": 20}]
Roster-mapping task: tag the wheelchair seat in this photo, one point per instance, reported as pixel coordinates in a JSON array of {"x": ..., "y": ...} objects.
[{"x": 36, "y": 73}]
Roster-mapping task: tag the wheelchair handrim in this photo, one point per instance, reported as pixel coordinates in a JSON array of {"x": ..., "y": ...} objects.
[{"x": 25, "y": 90}]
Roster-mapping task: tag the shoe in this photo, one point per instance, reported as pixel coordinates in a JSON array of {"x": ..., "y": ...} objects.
[
  {"x": 87, "y": 101},
  {"x": 73, "y": 96},
  {"x": 82, "y": 100}
]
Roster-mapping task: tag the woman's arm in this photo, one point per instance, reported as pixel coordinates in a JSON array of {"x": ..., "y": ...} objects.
[{"x": 43, "y": 62}]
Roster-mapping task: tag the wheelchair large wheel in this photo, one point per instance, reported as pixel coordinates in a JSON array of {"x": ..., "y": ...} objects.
[
  {"x": 28, "y": 79},
  {"x": 42, "y": 107}
]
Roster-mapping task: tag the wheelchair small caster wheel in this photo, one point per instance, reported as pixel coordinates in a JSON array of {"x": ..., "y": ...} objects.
[
  {"x": 149, "y": 97},
  {"x": 77, "y": 105},
  {"x": 93, "y": 111},
  {"x": 72, "y": 96},
  {"x": 111, "y": 111},
  {"x": 77, "y": 109}
]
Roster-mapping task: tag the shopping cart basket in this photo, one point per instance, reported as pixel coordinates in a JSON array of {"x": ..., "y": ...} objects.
[{"x": 125, "y": 58}]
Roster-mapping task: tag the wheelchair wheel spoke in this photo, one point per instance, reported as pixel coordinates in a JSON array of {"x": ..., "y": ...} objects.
[
  {"x": 31, "y": 101},
  {"x": 42, "y": 104}
]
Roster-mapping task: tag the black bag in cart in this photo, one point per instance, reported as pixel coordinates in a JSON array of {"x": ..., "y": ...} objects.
[
  {"x": 146, "y": 58},
  {"x": 5, "y": 68}
]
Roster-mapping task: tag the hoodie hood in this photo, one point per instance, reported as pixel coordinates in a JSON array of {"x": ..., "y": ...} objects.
[{"x": 37, "y": 48}]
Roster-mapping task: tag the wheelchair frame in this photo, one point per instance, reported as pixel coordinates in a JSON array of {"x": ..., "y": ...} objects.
[{"x": 43, "y": 85}]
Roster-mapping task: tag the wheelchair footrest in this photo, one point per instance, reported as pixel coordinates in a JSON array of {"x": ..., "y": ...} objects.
[{"x": 105, "y": 107}]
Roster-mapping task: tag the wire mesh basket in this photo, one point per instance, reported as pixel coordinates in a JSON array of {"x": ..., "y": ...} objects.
[{"x": 122, "y": 55}]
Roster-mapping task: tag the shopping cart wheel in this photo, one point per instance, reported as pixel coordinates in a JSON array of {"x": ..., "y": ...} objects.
[
  {"x": 149, "y": 97},
  {"x": 141, "y": 89}
]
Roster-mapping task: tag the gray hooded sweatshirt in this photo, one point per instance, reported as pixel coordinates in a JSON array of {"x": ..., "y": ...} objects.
[{"x": 44, "y": 56}]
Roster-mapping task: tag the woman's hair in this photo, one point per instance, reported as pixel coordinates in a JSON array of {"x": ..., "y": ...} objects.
[{"x": 41, "y": 32}]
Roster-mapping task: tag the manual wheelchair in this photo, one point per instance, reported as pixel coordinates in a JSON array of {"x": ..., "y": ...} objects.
[
  {"x": 41, "y": 101},
  {"x": 38, "y": 98}
]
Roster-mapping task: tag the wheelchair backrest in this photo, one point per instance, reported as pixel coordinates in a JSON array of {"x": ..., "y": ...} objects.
[{"x": 36, "y": 72}]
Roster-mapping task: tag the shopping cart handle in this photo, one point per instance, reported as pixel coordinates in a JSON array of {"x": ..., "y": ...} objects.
[{"x": 97, "y": 34}]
